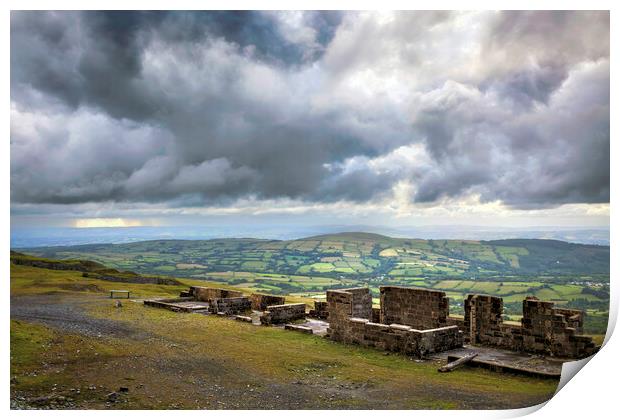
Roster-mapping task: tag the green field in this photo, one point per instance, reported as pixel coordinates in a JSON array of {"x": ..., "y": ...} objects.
[
  {"x": 571, "y": 275},
  {"x": 352, "y": 255}
]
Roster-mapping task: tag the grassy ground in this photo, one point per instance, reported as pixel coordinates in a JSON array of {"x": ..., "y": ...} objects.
[{"x": 171, "y": 360}]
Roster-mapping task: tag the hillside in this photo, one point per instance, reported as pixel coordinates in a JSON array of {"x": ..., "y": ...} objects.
[
  {"x": 349, "y": 255},
  {"x": 585, "y": 292},
  {"x": 71, "y": 347}
]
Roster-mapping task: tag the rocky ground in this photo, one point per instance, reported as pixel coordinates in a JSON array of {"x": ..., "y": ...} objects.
[{"x": 79, "y": 350}]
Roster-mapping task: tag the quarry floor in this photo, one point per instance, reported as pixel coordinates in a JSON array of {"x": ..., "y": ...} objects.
[{"x": 71, "y": 348}]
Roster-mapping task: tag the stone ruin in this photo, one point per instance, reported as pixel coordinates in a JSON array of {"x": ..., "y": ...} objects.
[
  {"x": 544, "y": 329},
  {"x": 415, "y": 307},
  {"x": 205, "y": 299},
  {"x": 260, "y": 302},
  {"x": 412, "y": 321},
  {"x": 398, "y": 330},
  {"x": 320, "y": 310},
  {"x": 417, "y": 321},
  {"x": 279, "y": 314},
  {"x": 272, "y": 309}
]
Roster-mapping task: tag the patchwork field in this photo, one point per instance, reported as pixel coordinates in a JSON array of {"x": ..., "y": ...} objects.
[
  {"x": 349, "y": 255},
  {"x": 571, "y": 275}
]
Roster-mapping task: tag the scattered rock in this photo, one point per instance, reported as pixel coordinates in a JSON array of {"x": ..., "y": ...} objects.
[
  {"x": 40, "y": 401},
  {"x": 112, "y": 397}
]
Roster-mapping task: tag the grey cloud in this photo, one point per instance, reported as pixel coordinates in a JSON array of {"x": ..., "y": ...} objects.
[
  {"x": 95, "y": 58},
  {"x": 201, "y": 108},
  {"x": 89, "y": 58},
  {"x": 85, "y": 156},
  {"x": 257, "y": 29},
  {"x": 534, "y": 158},
  {"x": 548, "y": 37},
  {"x": 529, "y": 86}
]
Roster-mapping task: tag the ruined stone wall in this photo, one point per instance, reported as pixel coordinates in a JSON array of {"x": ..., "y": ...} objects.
[
  {"x": 385, "y": 337},
  {"x": 544, "y": 329},
  {"x": 416, "y": 307},
  {"x": 278, "y": 314},
  {"x": 261, "y": 301},
  {"x": 459, "y": 321},
  {"x": 438, "y": 339},
  {"x": 376, "y": 315},
  {"x": 401, "y": 338},
  {"x": 361, "y": 301},
  {"x": 345, "y": 327},
  {"x": 229, "y": 306},
  {"x": 340, "y": 306},
  {"x": 483, "y": 317},
  {"x": 205, "y": 294},
  {"x": 573, "y": 317},
  {"x": 320, "y": 310}
]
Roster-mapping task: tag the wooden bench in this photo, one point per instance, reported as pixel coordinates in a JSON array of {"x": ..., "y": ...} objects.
[{"x": 119, "y": 291}]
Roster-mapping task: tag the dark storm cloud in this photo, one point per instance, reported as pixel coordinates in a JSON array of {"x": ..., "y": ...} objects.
[
  {"x": 195, "y": 108},
  {"x": 251, "y": 28},
  {"x": 95, "y": 58},
  {"x": 86, "y": 58}
]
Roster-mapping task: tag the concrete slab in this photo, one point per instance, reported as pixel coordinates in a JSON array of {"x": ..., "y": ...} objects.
[
  {"x": 318, "y": 326},
  {"x": 196, "y": 305},
  {"x": 512, "y": 359}
]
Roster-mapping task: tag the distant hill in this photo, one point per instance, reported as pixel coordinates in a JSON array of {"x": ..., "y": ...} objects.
[
  {"x": 348, "y": 236},
  {"x": 347, "y": 255},
  {"x": 29, "y": 237},
  {"x": 88, "y": 269}
]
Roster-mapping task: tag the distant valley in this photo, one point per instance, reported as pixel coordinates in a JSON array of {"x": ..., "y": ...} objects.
[
  {"x": 573, "y": 275},
  {"x": 351, "y": 255}
]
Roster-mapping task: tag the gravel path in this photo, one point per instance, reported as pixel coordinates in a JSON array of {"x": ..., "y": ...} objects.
[{"x": 66, "y": 313}]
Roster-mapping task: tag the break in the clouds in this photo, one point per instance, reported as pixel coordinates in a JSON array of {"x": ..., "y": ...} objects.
[{"x": 209, "y": 108}]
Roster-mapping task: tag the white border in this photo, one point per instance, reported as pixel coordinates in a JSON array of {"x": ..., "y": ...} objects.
[{"x": 591, "y": 395}]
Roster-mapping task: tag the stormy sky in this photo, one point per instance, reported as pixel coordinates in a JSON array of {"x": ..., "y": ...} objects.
[{"x": 152, "y": 117}]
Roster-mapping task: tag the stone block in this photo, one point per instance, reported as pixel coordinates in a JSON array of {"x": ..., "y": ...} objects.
[
  {"x": 277, "y": 314},
  {"x": 260, "y": 302}
]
